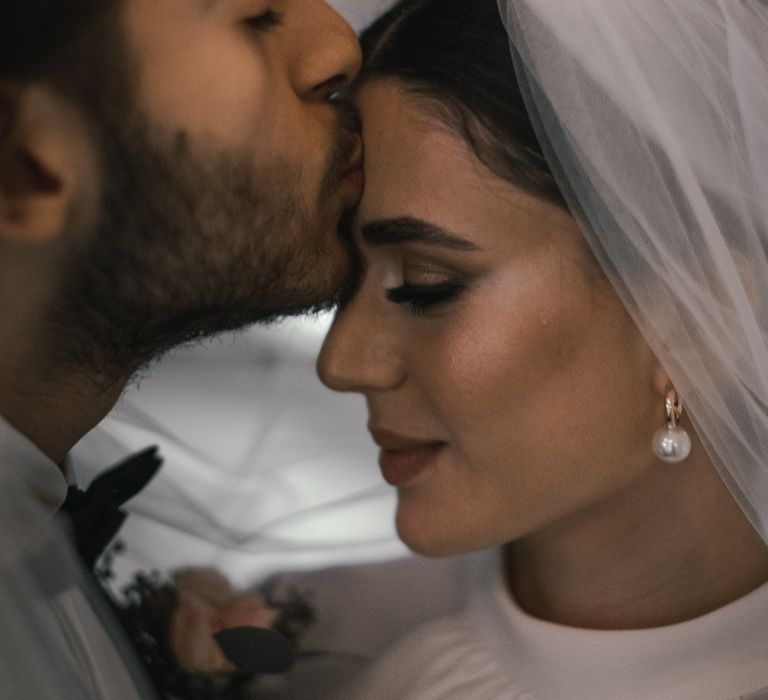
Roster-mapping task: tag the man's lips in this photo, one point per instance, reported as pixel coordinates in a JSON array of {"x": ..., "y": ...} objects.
[
  {"x": 353, "y": 178},
  {"x": 356, "y": 162},
  {"x": 402, "y": 458}
]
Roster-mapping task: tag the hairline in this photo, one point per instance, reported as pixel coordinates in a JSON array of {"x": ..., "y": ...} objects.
[{"x": 444, "y": 110}]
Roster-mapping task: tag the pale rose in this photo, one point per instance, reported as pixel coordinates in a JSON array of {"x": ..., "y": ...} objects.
[
  {"x": 208, "y": 604},
  {"x": 248, "y": 611},
  {"x": 207, "y": 583}
]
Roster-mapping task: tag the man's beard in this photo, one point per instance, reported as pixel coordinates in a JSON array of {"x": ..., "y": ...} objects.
[{"x": 193, "y": 241}]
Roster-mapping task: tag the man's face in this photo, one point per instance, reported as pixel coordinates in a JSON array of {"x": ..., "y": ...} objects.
[{"x": 227, "y": 170}]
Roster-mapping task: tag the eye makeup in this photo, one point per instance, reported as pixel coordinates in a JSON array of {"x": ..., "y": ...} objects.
[
  {"x": 427, "y": 282},
  {"x": 421, "y": 298},
  {"x": 265, "y": 21}
]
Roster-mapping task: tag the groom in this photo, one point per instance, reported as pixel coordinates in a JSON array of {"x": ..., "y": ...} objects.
[
  {"x": 182, "y": 167},
  {"x": 192, "y": 160}
]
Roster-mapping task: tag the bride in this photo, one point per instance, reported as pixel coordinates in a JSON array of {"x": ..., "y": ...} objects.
[{"x": 560, "y": 330}]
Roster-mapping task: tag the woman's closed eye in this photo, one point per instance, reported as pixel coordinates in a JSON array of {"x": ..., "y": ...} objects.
[
  {"x": 421, "y": 298},
  {"x": 426, "y": 285},
  {"x": 265, "y": 21}
]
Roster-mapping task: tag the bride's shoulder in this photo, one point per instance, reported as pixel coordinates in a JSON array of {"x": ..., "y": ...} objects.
[{"x": 441, "y": 660}]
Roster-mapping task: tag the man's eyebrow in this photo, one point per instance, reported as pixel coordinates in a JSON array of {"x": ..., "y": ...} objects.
[{"x": 411, "y": 230}]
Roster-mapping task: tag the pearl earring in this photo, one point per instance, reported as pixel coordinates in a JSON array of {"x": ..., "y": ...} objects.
[{"x": 672, "y": 444}]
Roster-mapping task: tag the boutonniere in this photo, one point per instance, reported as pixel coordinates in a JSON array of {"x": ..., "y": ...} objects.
[{"x": 200, "y": 639}]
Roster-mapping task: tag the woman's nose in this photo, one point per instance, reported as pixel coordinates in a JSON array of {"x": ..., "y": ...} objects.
[
  {"x": 329, "y": 57},
  {"x": 359, "y": 354}
]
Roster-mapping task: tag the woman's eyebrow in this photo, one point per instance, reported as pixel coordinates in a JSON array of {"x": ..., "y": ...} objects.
[{"x": 411, "y": 230}]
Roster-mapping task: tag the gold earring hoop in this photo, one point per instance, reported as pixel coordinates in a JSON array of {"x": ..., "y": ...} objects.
[{"x": 672, "y": 444}]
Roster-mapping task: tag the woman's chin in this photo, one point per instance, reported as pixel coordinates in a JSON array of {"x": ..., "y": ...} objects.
[{"x": 429, "y": 537}]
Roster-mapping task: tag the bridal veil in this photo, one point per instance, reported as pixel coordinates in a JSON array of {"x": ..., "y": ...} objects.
[{"x": 653, "y": 115}]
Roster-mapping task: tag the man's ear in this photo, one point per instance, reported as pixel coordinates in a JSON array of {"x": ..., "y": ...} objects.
[{"x": 47, "y": 164}]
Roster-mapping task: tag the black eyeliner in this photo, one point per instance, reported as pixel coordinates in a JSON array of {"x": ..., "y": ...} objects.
[
  {"x": 420, "y": 297},
  {"x": 269, "y": 19}
]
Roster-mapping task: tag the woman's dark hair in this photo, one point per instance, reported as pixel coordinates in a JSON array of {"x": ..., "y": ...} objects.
[{"x": 455, "y": 56}]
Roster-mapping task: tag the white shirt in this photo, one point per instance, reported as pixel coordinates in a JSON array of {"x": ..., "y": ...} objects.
[
  {"x": 492, "y": 650},
  {"x": 53, "y": 637}
]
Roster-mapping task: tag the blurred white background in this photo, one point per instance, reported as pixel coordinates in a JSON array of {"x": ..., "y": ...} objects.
[
  {"x": 265, "y": 469},
  {"x": 360, "y": 13}
]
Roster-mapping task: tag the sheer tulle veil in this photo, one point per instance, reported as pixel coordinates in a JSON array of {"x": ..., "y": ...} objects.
[{"x": 654, "y": 116}]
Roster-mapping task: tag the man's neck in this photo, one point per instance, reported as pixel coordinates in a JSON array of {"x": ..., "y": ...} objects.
[{"x": 55, "y": 410}]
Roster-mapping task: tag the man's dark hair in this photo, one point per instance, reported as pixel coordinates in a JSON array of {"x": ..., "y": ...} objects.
[
  {"x": 36, "y": 36},
  {"x": 72, "y": 46},
  {"x": 455, "y": 56}
]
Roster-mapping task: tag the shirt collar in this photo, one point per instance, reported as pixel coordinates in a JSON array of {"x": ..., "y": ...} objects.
[{"x": 32, "y": 487}]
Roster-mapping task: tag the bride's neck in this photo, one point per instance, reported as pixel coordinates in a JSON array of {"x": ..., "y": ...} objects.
[{"x": 671, "y": 548}]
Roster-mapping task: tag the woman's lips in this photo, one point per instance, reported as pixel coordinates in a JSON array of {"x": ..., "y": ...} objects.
[
  {"x": 402, "y": 459},
  {"x": 401, "y": 466}
]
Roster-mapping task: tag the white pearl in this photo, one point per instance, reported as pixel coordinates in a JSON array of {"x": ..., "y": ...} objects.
[{"x": 672, "y": 445}]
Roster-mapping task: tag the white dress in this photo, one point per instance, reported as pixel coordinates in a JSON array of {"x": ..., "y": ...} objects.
[
  {"x": 492, "y": 650},
  {"x": 55, "y": 641}
]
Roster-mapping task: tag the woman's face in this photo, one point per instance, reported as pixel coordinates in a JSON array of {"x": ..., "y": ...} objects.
[{"x": 507, "y": 386}]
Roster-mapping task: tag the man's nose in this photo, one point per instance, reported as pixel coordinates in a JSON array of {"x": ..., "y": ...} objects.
[
  {"x": 360, "y": 353},
  {"x": 329, "y": 57}
]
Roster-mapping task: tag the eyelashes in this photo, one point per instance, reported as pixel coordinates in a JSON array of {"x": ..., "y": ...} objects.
[
  {"x": 422, "y": 298},
  {"x": 265, "y": 21}
]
